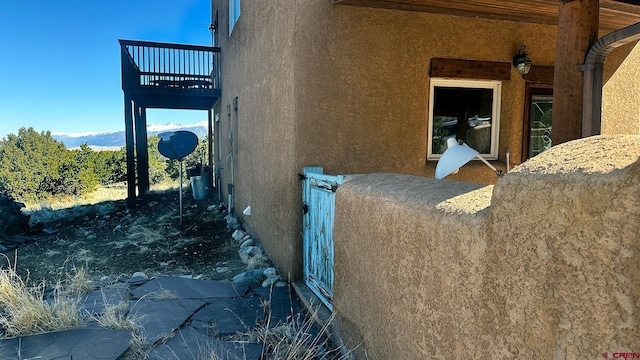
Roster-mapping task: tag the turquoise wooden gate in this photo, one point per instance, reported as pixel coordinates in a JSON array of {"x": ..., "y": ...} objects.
[{"x": 318, "y": 196}]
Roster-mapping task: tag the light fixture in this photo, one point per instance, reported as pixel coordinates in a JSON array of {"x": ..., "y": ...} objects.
[
  {"x": 457, "y": 155},
  {"x": 522, "y": 62}
]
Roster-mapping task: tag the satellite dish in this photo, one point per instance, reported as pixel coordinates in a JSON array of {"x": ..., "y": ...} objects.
[{"x": 177, "y": 144}]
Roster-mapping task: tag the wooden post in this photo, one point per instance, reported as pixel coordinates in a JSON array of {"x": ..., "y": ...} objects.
[
  {"x": 141, "y": 150},
  {"x": 131, "y": 166},
  {"x": 577, "y": 31}
]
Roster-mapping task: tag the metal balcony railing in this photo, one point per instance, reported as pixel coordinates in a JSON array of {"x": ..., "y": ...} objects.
[{"x": 169, "y": 68}]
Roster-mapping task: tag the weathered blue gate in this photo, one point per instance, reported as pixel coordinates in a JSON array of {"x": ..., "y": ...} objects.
[{"x": 318, "y": 196}]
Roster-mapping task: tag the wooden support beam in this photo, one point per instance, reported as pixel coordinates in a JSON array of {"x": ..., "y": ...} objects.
[
  {"x": 577, "y": 31},
  {"x": 470, "y": 69},
  {"x": 142, "y": 153},
  {"x": 129, "y": 141}
]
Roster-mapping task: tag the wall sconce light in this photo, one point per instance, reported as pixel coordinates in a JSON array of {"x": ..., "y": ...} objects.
[
  {"x": 457, "y": 155},
  {"x": 522, "y": 62}
]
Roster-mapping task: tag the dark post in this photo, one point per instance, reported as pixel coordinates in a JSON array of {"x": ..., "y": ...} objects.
[
  {"x": 142, "y": 151},
  {"x": 131, "y": 166}
]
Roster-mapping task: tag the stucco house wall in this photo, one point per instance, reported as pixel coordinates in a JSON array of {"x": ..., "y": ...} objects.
[
  {"x": 258, "y": 69},
  {"x": 620, "y": 93},
  {"x": 543, "y": 265},
  {"x": 345, "y": 88}
]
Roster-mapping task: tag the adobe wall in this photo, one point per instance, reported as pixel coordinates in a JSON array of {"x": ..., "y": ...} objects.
[
  {"x": 362, "y": 92},
  {"x": 621, "y": 92},
  {"x": 345, "y": 88},
  {"x": 543, "y": 265},
  {"x": 257, "y": 63}
]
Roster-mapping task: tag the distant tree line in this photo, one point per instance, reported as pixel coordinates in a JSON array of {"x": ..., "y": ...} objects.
[{"x": 36, "y": 167}]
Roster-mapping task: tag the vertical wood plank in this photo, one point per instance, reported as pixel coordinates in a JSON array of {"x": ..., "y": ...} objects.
[{"x": 577, "y": 31}]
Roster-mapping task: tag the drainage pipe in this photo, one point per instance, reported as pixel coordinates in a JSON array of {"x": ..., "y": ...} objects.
[{"x": 593, "y": 75}]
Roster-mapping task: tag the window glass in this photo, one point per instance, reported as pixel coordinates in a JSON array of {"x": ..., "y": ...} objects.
[
  {"x": 540, "y": 124},
  {"x": 234, "y": 13},
  {"x": 465, "y": 110}
]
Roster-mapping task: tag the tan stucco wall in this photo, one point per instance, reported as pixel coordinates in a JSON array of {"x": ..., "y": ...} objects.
[
  {"x": 363, "y": 89},
  {"x": 544, "y": 265},
  {"x": 257, "y": 67},
  {"x": 345, "y": 88},
  {"x": 621, "y": 92}
]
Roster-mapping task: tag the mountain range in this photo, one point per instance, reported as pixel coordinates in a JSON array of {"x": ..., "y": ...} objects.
[{"x": 114, "y": 140}]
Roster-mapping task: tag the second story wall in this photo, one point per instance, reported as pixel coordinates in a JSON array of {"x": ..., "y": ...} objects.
[{"x": 256, "y": 128}]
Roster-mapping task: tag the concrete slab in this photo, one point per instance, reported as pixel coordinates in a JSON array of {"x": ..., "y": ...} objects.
[
  {"x": 89, "y": 342},
  {"x": 189, "y": 343},
  {"x": 189, "y": 288},
  {"x": 159, "y": 318}
]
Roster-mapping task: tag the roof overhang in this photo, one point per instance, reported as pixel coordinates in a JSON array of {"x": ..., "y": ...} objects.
[{"x": 613, "y": 14}]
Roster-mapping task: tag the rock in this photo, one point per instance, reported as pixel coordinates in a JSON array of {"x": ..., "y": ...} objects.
[
  {"x": 248, "y": 242},
  {"x": 249, "y": 277},
  {"x": 248, "y": 252},
  {"x": 281, "y": 284},
  {"x": 272, "y": 280},
  {"x": 238, "y": 235},
  {"x": 140, "y": 274},
  {"x": 232, "y": 221},
  {"x": 12, "y": 221},
  {"x": 270, "y": 272},
  {"x": 244, "y": 254},
  {"x": 222, "y": 269}
]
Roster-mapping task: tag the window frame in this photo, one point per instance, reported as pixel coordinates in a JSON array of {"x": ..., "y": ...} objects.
[
  {"x": 494, "y": 85},
  {"x": 234, "y": 14}
]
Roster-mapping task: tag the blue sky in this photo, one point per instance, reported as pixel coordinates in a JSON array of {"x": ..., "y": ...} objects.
[{"x": 60, "y": 60}]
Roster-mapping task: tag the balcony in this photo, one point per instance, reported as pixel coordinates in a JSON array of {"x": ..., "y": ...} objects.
[{"x": 170, "y": 76}]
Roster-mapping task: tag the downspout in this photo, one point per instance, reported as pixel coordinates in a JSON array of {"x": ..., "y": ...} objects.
[{"x": 593, "y": 75}]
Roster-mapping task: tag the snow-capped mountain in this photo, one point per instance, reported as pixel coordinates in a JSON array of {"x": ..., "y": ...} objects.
[{"x": 116, "y": 139}]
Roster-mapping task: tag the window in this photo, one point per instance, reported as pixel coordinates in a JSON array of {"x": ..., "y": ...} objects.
[
  {"x": 540, "y": 124},
  {"x": 468, "y": 110},
  {"x": 234, "y": 13}
]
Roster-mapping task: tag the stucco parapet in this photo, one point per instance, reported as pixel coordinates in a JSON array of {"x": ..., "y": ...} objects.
[
  {"x": 608, "y": 155},
  {"x": 425, "y": 194}
]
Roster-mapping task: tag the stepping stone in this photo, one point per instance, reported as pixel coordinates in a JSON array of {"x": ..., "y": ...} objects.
[
  {"x": 96, "y": 302},
  {"x": 227, "y": 316},
  {"x": 90, "y": 342},
  {"x": 189, "y": 288},
  {"x": 188, "y": 343},
  {"x": 159, "y": 318}
]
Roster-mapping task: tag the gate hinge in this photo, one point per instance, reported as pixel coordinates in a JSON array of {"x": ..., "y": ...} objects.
[
  {"x": 302, "y": 176},
  {"x": 305, "y": 209}
]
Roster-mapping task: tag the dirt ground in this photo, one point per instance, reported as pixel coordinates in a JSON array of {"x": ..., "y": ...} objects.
[{"x": 109, "y": 241}]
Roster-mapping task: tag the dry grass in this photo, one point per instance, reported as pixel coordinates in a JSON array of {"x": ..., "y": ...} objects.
[
  {"x": 102, "y": 198},
  {"x": 25, "y": 312},
  {"x": 292, "y": 340},
  {"x": 116, "y": 318},
  {"x": 78, "y": 283}
]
